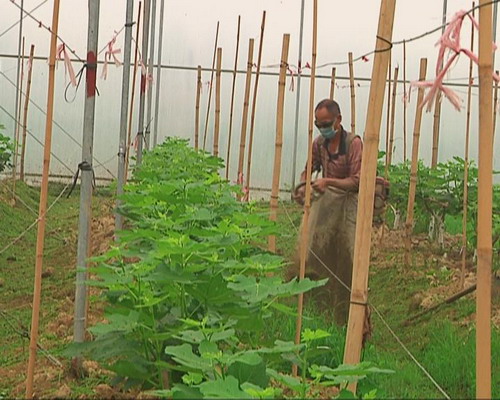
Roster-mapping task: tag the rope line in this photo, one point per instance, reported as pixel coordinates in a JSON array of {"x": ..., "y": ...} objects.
[
  {"x": 398, "y": 340},
  {"x": 17, "y": 22}
]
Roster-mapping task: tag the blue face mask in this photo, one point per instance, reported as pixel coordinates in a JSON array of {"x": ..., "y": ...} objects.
[{"x": 328, "y": 133}]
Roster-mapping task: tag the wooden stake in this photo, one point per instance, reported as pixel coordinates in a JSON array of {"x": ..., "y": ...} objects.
[
  {"x": 304, "y": 238},
  {"x": 254, "y": 105},
  {"x": 405, "y": 102},
  {"x": 359, "y": 294},
  {"x": 353, "y": 95},
  {"x": 332, "y": 83},
  {"x": 279, "y": 137},
  {"x": 25, "y": 117},
  {"x": 435, "y": 130},
  {"x": 244, "y": 121},
  {"x": 414, "y": 162},
  {"x": 18, "y": 123},
  {"x": 388, "y": 119},
  {"x": 466, "y": 164},
  {"x": 230, "y": 133},
  {"x": 390, "y": 150},
  {"x": 484, "y": 204},
  {"x": 37, "y": 290},
  {"x": 210, "y": 89},
  {"x": 134, "y": 77},
  {"x": 495, "y": 107},
  {"x": 197, "y": 110},
  {"x": 217, "y": 103}
]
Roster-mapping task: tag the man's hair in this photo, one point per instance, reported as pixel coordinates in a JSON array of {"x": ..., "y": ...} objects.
[{"x": 330, "y": 105}]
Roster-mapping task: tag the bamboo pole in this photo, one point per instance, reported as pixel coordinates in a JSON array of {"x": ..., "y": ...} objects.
[
  {"x": 414, "y": 162},
  {"x": 298, "y": 94},
  {"x": 87, "y": 176},
  {"x": 254, "y": 106},
  {"x": 35, "y": 315},
  {"x": 197, "y": 109},
  {"x": 359, "y": 293},
  {"x": 405, "y": 102},
  {"x": 144, "y": 82},
  {"x": 25, "y": 116},
  {"x": 466, "y": 164},
  {"x": 122, "y": 143},
  {"x": 158, "y": 74},
  {"x": 279, "y": 138},
  {"x": 217, "y": 103},
  {"x": 393, "y": 119},
  {"x": 332, "y": 83},
  {"x": 304, "y": 237},
  {"x": 244, "y": 120},
  {"x": 437, "y": 108},
  {"x": 484, "y": 205},
  {"x": 152, "y": 32},
  {"x": 18, "y": 123},
  {"x": 353, "y": 95},
  {"x": 388, "y": 117},
  {"x": 210, "y": 88},
  {"x": 495, "y": 106},
  {"x": 19, "y": 80},
  {"x": 233, "y": 88},
  {"x": 132, "y": 95}
]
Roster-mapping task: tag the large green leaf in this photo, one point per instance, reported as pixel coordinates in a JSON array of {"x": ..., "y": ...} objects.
[{"x": 226, "y": 388}]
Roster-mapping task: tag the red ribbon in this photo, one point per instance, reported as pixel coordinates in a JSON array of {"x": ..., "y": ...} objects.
[
  {"x": 62, "y": 54},
  {"x": 110, "y": 54}
]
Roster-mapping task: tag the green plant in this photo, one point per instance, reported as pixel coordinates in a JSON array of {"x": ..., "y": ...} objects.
[
  {"x": 186, "y": 276},
  {"x": 6, "y": 150}
]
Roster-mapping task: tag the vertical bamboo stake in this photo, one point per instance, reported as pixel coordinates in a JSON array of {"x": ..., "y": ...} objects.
[
  {"x": 393, "y": 118},
  {"x": 304, "y": 237},
  {"x": 466, "y": 164},
  {"x": 388, "y": 116},
  {"x": 484, "y": 205},
  {"x": 132, "y": 95},
  {"x": 144, "y": 82},
  {"x": 244, "y": 120},
  {"x": 353, "y": 95},
  {"x": 437, "y": 108},
  {"x": 158, "y": 74},
  {"x": 279, "y": 138},
  {"x": 122, "y": 141},
  {"x": 26, "y": 104},
  {"x": 414, "y": 162},
  {"x": 332, "y": 83},
  {"x": 152, "y": 34},
  {"x": 210, "y": 88},
  {"x": 359, "y": 293},
  {"x": 405, "y": 102},
  {"x": 254, "y": 105},
  {"x": 18, "y": 122},
  {"x": 217, "y": 103},
  {"x": 495, "y": 106},
  {"x": 35, "y": 315},
  {"x": 230, "y": 133},
  {"x": 197, "y": 109}
]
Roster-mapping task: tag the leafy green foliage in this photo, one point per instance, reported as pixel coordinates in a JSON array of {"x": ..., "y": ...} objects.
[
  {"x": 6, "y": 150},
  {"x": 439, "y": 195}
]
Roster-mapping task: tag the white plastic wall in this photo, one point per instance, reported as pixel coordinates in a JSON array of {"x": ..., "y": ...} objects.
[{"x": 188, "y": 41}]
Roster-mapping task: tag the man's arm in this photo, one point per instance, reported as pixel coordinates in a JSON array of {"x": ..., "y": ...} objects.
[
  {"x": 352, "y": 181},
  {"x": 316, "y": 161}
]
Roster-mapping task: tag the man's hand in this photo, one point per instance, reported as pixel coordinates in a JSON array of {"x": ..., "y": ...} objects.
[
  {"x": 300, "y": 195},
  {"x": 320, "y": 185}
]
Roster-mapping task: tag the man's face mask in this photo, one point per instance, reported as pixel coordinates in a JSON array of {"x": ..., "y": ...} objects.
[{"x": 326, "y": 129}]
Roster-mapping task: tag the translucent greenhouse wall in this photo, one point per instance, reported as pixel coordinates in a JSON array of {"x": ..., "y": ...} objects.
[{"x": 188, "y": 41}]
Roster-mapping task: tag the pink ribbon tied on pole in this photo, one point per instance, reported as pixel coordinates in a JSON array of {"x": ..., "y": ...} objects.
[
  {"x": 62, "y": 54},
  {"x": 449, "y": 42},
  {"x": 110, "y": 54}
]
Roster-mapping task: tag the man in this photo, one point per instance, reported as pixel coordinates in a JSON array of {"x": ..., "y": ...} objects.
[
  {"x": 332, "y": 223},
  {"x": 335, "y": 152}
]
